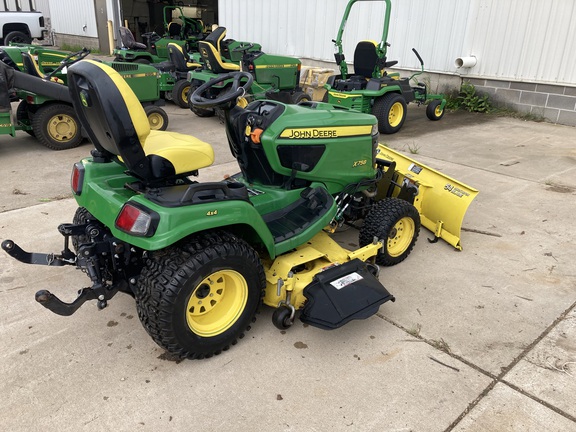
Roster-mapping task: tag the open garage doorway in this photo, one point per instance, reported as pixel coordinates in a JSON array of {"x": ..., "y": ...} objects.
[{"x": 144, "y": 16}]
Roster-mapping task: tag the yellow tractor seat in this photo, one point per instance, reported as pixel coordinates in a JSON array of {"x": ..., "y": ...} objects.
[
  {"x": 118, "y": 127},
  {"x": 210, "y": 51}
]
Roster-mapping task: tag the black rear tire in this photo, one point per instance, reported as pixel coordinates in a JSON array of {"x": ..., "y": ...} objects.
[
  {"x": 197, "y": 299},
  {"x": 397, "y": 223},
  {"x": 17, "y": 37},
  {"x": 390, "y": 110},
  {"x": 142, "y": 60},
  {"x": 80, "y": 217},
  {"x": 57, "y": 127}
]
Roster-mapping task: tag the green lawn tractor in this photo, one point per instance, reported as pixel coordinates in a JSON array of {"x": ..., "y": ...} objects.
[
  {"x": 48, "y": 115},
  {"x": 174, "y": 84},
  {"x": 178, "y": 29},
  {"x": 371, "y": 89},
  {"x": 275, "y": 77},
  {"x": 200, "y": 257}
]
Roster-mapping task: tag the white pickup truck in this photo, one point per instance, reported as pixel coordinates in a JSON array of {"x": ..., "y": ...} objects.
[{"x": 21, "y": 27}]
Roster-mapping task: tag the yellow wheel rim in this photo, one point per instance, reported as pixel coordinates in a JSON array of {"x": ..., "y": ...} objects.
[
  {"x": 156, "y": 121},
  {"x": 184, "y": 93},
  {"x": 400, "y": 237},
  {"x": 216, "y": 303},
  {"x": 62, "y": 128},
  {"x": 438, "y": 111},
  {"x": 395, "y": 114}
]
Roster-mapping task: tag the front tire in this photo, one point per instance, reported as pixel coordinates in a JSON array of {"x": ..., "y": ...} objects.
[
  {"x": 56, "y": 126},
  {"x": 397, "y": 223},
  {"x": 157, "y": 117},
  {"x": 180, "y": 93},
  {"x": 433, "y": 110},
  {"x": 300, "y": 97},
  {"x": 198, "y": 299},
  {"x": 390, "y": 110}
]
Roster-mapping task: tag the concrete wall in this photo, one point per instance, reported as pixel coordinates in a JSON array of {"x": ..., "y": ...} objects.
[{"x": 555, "y": 103}]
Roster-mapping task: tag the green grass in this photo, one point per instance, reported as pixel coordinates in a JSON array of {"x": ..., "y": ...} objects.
[{"x": 76, "y": 48}]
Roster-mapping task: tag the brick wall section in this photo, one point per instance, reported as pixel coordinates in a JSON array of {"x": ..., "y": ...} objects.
[{"x": 555, "y": 103}]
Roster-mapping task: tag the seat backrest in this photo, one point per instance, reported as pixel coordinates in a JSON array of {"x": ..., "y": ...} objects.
[
  {"x": 210, "y": 51},
  {"x": 214, "y": 38},
  {"x": 365, "y": 58},
  {"x": 126, "y": 37},
  {"x": 178, "y": 57},
  {"x": 31, "y": 65},
  {"x": 174, "y": 30},
  {"x": 111, "y": 114}
]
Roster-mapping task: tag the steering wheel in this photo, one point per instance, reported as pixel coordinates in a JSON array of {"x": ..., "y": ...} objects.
[
  {"x": 69, "y": 60},
  {"x": 243, "y": 47},
  {"x": 201, "y": 99}
]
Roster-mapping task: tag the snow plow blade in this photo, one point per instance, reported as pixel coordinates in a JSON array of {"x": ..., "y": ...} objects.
[{"x": 441, "y": 200}]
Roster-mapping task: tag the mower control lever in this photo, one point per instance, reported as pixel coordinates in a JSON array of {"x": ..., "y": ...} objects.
[{"x": 419, "y": 58}]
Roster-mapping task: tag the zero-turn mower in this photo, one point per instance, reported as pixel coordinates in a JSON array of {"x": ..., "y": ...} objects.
[
  {"x": 200, "y": 257},
  {"x": 371, "y": 89},
  {"x": 178, "y": 29}
]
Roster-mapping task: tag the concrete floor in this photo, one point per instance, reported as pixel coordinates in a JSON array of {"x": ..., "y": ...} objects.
[{"x": 478, "y": 340}]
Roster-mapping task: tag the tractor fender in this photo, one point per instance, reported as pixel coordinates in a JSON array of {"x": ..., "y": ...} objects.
[{"x": 177, "y": 223}]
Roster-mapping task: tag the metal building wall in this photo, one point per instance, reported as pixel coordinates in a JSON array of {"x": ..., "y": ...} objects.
[
  {"x": 522, "y": 40},
  {"x": 74, "y": 18}
]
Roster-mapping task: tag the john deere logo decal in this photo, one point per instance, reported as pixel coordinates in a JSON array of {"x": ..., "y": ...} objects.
[
  {"x": 326, "y": 132},
  {"x": 84, "y": 99}
]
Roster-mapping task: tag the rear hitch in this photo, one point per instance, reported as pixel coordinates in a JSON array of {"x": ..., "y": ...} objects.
[
  {"x": 97, "y": 292},
  {"x": 67, "y": 257}
]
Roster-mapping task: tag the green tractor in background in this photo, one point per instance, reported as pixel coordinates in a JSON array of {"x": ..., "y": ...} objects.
[
  {"x": 178, "y": 28},
  {"x": 46, "y": 112},
  {"x": 371, "y": 89},
  {"x": 275, "y": 77}
]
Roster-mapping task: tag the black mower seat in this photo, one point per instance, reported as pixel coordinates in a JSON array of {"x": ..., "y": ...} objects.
[
  {"x": 210, "y": 51},
  {"x": 128, "y": 40},
  {"x": 365, "y": 58},
  {"x": 118, "y": 127},
  {"x": 174, "y": 30},
  {"x": 180, "y": 59},
  {"x": 32, "y": 68}
]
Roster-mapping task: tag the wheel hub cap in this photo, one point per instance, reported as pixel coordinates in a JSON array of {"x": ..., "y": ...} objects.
[
  {"x": 400, "y": 237},
  {"x": 395, "y": 114},
  {"x": 216, "y": 303},
  {"x": 62, "y": 127}
]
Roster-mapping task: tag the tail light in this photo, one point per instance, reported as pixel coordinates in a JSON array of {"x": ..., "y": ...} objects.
[
  {"x": 137, "y": 220},
  {"x": 77, "y": 179}
]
